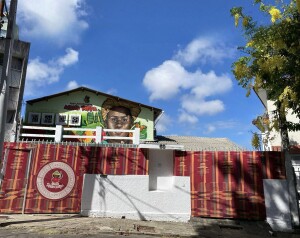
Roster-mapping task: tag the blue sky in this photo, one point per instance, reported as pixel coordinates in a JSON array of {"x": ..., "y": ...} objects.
[{"x": 172, "y": 54}]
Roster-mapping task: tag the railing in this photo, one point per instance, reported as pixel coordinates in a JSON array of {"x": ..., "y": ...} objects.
[{"x": 59, "y": 135}]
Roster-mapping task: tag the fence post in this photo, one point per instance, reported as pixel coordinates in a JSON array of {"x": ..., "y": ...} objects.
[
  {"x": 98, "y": 134},
  {"x": 58, "y": 133},
  {"x": 292, "y": 193},
  {"x": 136, "y": 136}
]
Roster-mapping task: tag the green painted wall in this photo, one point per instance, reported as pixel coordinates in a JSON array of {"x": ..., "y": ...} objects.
[{"x": 89, "y": 106}]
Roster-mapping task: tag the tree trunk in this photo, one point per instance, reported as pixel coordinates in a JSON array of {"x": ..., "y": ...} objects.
[{"x": 285, "y": 142}]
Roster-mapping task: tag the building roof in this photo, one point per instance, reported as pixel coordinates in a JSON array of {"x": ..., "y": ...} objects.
[
  {"x": 193, "y": 143},
  {"x": 157, "y": 111},
  {"x": 262, "y": 95}
]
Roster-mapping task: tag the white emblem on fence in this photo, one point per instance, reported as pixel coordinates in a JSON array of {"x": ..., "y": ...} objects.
[{"x": 55, "y": 180}]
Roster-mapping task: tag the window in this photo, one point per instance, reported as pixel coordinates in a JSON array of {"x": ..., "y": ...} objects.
[
  {"x": 61, "y": 119},
  {"x": 10, "y": 116},
  {"x": 1, "y": 59},
  {"x": 47, "y": 118},
  {"x": 16, "y": 63},
  {"x": 74, "y": 120},
  {"x": 34, "y": 118}
]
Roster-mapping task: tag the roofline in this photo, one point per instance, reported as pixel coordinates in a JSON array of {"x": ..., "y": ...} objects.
[
  {"x": 158, "y": 117},
  {"x": 158, "y": 110},
  {"x": 257, "y": 94}
]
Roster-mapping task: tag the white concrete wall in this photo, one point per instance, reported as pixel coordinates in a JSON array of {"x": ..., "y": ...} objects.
[
  {"x": 277, "y": 204},
  {"x": 296, "y": 166},
  {"x": 160, "y": 169},
  {"x": 275, "y": 135},
  {"x": 10, "y": 132},
  {"x": 129, "y": 196},
  {"x": 293, "y": 136}
]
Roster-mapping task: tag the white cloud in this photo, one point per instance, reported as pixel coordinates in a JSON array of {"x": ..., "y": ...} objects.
[
  {"x": 72, "y": 84},
  {"x": 171, "y": 78},
  {"x": 165, "y": 81},
  {"x": 200, "y": 107},
  {"x": 220, "y": 125},
  {"x": 168, "y": 79},
  {"x": 210, "y": 129},
  {"x": 61, "y": 21},
  {"x": 40, "y": 74},
  {"x": 187, "y": 118},
  {"x": 194, "y": 88},
  {"x": 70, "y": 58},
  {"x": 203, "y": 50},
  {"x": 164, "y": 122},
  {"x": 210, "y": 84},
  {"x": 226, "y": 124}
]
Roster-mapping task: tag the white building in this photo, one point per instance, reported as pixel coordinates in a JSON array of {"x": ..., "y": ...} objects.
[
  {"x": 16, "y": 78},
  {"x": 271, "y": 138}
]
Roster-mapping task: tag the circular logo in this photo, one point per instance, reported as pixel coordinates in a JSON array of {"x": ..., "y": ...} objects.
[{"x": 55, "y": 180}]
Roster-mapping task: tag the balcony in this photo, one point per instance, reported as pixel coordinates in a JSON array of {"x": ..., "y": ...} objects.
[{"x": 60, "y": 134}]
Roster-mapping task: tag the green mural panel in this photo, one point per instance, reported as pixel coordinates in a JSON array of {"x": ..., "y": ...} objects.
[{"x": 93, "y": 110}]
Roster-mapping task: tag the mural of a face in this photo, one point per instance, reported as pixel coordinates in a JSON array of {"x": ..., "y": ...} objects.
[
  {"x": 119, "y": 115},
  {"x": 119, "y": 118}
]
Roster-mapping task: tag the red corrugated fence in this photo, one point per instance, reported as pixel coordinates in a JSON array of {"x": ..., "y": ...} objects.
[{"x": 223, "y": 184}]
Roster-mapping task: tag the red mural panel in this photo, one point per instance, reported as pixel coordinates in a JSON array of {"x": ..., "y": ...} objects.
[
  {"x": 82, "y": 159},
  {"x": 223, "y": 184},
  {"x": 228, "y": 184},
  {"x": 13, "y": 187},
  {"x": 114, "y": 161},
  {"x": 35, "y": 202}
]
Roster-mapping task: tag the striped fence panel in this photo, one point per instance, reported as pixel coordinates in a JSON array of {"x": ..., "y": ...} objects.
[
  {"x": 229, "y": 184},
  {"x": 223, "y": 184},
  {"x": 82, "y": 159}
]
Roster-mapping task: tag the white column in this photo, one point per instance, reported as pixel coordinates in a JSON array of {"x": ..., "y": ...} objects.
[
  {"x": 136, "y": 136},
  {"x": 292, "y": 190},
  {"x": 58, "y": 133},
  {"x": 98, "y": 134},
  {"x": 5, "y": 76}
]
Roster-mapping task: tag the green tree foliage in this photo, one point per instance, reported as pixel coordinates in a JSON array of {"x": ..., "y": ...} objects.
[
  {"x": 256, "y": 141},
  {"x": 271, "y": 58}
]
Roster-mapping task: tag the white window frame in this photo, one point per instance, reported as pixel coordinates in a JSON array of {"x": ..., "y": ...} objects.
[
  {"x": 58, "y": 122},
  {"x": 43, "y": 118},
  {"x": 70, "y": 119},
  {"x": 30, "y": 114}
]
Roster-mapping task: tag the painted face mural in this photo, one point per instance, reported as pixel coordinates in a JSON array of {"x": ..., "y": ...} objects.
[
  {"x": 119, "y": 118},
  {"x": 119, "y": 115}
]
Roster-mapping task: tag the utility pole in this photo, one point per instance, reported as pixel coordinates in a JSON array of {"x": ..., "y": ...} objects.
[{"x": 6, "y": 69}]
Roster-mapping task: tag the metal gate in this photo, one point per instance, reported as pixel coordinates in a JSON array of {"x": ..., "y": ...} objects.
[
  {"x": 14, "y": 186},
  {"x": 47, "y": 178},
  {"x": 41, "y": 179}
]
